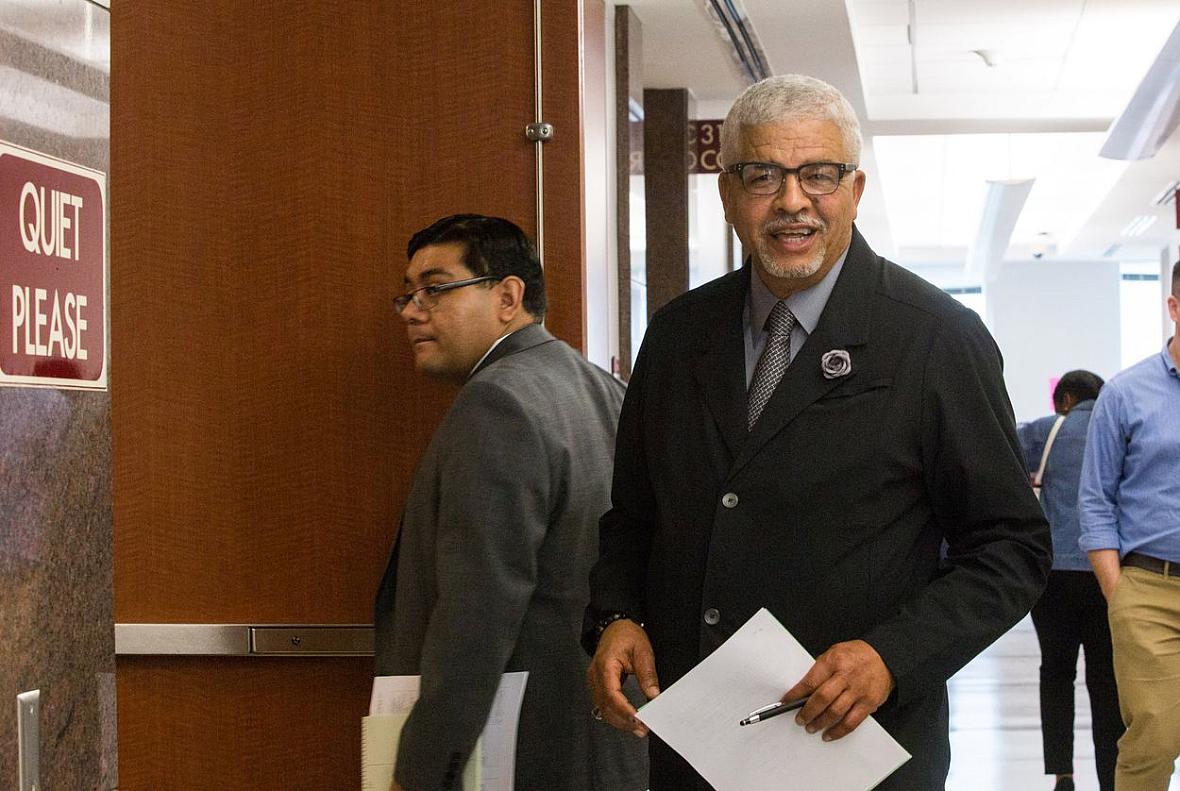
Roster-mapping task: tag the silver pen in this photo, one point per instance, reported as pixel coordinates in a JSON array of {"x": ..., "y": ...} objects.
[{"x": 773, "y": 710}]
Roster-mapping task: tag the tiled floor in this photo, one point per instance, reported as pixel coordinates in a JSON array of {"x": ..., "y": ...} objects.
[{"x": 996, "y": 726}]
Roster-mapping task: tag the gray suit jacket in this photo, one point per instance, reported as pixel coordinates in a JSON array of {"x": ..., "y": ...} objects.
[{"x": 490, "y": 572}]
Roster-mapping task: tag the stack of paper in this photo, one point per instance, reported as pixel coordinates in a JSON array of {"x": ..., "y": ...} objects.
[{"x": 492, "y": 765}]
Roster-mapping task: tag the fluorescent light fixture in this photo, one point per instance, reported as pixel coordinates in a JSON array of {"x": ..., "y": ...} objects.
[
  {"x": 1153, "y": 112},
  {"x": 1110, "y": 251},
  {"x": 1138, "y": 225},
  {"x": 1001, "y": 210},
  {"x": 1167, "y": 195},
  {"x": 734, "y": 25}
]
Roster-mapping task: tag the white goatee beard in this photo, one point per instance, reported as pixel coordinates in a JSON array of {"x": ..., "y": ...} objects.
[{"x": 797, "y": 271}]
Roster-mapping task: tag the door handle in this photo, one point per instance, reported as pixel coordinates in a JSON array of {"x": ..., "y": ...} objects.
[{"x": 210, "y": 639}]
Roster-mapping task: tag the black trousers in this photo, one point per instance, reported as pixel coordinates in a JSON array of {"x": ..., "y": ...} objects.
[{"x": 1072, "y": 613}]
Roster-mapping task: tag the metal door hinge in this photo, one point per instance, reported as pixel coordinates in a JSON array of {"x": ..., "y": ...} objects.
[{"x": 539, "y": 133}]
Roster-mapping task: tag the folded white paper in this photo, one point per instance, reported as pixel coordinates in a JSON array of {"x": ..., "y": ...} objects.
[
  {"x": 492, "y": 766},
  {"x": 698, "y": 717}
]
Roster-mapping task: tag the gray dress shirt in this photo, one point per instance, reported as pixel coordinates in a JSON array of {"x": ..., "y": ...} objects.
[{"x": 807, "y": 305}]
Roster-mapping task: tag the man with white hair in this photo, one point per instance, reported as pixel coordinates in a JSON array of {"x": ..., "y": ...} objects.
[{"x": 822, "y": 434}]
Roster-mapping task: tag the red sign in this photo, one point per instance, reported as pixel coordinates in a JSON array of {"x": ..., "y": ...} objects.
[{"x": 53, "y": 272}]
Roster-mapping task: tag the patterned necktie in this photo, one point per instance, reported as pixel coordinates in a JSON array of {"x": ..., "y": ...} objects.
[{"x": 774, "y": 360}]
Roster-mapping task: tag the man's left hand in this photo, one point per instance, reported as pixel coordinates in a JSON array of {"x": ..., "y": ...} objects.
[{"x": 847, "y": 683}]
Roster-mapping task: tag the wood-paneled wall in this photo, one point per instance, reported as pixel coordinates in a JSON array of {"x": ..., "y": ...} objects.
[{"x": 269, "y": 163}]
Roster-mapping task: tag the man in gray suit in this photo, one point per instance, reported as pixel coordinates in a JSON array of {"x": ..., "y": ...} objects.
[{"x": 490, "y": 571}]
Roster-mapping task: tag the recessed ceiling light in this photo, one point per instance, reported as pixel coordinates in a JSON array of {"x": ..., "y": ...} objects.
[{"x": 1138, "y": 225}]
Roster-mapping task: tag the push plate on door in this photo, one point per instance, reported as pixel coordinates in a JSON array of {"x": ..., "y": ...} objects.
[
  {"x": 312, "y": 640},
  {"x": 194, "y": 639}
]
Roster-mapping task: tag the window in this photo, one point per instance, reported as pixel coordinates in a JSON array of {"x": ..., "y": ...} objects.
[
  {"x": 1141, "y": 318},
  {"x": 971, "y": 297}
]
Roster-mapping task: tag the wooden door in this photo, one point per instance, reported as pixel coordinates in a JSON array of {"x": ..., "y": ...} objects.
[{"x": 269, "y": 162}]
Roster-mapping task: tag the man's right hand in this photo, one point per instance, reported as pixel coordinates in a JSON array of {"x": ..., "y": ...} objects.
[
  {"x": 623, "y": 649},
  {"x": 1107, "y": 568}
]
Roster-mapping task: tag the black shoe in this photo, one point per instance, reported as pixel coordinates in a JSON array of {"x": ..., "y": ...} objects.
[{"x": 1064, "y": 784}]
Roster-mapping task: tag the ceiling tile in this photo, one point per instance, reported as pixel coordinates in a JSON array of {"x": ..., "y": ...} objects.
[{"x": 880, "y": 12}]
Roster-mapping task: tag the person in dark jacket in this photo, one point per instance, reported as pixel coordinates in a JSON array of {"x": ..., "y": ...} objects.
[{"x": 803, "y": 435}]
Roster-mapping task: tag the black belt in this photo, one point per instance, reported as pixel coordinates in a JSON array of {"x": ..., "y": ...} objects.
[{"x": 1141, "y": 561}]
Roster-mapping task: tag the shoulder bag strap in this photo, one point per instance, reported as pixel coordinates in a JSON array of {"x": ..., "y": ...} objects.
[{"x": 1048, "y": 446}]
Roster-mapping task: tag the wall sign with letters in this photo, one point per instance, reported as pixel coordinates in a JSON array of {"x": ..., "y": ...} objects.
[
  {"x": 53, "y": 272},
  {"x": 704, "y": 144}
]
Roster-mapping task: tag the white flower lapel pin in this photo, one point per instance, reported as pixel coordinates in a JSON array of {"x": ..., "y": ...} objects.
[{"x": 835, "y": 364}]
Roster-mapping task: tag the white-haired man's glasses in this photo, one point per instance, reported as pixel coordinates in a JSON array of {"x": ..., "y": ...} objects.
[{"x": 815, "y": 178}]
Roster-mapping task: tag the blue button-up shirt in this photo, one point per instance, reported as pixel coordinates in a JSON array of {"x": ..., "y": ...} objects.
[
  {"x": 1129, "y": 498},
  {"x": 1059, "y": 488}
]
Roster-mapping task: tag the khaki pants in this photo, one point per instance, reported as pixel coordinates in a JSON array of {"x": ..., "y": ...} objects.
[{"x": 1144, "y": 617}]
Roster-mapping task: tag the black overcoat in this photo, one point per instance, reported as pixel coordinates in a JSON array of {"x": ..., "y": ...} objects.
[{"x": 890, "y": 504}]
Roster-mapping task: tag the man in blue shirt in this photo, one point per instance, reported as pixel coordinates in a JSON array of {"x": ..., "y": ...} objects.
[
  {"x": 1071, "y": 613},
  {"x": 1129, "y": 504}
]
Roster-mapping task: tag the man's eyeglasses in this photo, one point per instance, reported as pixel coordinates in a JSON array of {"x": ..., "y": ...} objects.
[
  {"x": 426, "y": 297},
  {"x": 815, "y": 178}
]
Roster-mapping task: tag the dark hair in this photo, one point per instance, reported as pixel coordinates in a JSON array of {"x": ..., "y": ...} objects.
[
  {"x": 492, "y": 246},
  {"x": 1176, "y": 280},
  {"x": 1082, "y": 385}
]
